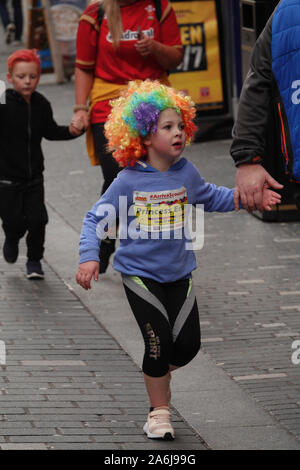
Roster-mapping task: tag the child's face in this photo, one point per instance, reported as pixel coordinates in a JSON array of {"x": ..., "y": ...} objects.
[
  {"x": 169, "y": 139},
  {"x": 24, "y": 78}
]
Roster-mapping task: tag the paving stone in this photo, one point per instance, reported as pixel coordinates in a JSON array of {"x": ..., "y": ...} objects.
[
  {"x": 87, "y": 446},
  {"x": 23, "y": 446},
  {"x": 66, "y": 382}
]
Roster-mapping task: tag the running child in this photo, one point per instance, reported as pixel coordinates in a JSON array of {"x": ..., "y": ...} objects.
[
  {"x": 148, "y": 128},
  {"x": 25, "y": 118}
]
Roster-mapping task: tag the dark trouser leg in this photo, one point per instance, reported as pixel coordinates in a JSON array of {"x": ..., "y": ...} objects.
[
  {"x": 4, "y": 13},
  {"x": 12, "y": 213},
  {"x": 18, "y": 18},
  {"x": 36, "y": 219},
  {"x": 109, "y": 166}
]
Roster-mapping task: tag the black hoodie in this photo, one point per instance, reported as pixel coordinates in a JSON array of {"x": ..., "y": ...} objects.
[{"x": 22, "y": 127}]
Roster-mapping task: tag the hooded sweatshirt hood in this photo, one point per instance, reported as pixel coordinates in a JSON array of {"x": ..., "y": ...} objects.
[{"x": 143, "y": 166}]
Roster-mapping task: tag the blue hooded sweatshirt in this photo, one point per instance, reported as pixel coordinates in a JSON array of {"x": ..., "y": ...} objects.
[{"x": 152, "y": 235}]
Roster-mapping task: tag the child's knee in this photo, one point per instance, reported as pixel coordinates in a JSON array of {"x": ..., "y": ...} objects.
[{"x": 184, "y": 353}]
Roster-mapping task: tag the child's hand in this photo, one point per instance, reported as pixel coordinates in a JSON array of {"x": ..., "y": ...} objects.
[
  {"x": 79, "y": 123},
  {"x": 86, "y": 272},
  {"x": 270, "y": 198},
  {"x": 236, "y": 199},
  {"x": 74, "y": 131},
  {"x": 76, "y": 128}
]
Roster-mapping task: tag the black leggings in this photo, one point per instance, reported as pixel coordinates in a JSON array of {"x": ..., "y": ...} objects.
[
  {"x": 167, "y": 315},
  {"x": 109, "y": 165}
]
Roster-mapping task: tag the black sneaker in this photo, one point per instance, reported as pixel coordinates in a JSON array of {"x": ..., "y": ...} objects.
[
  {"x": 11, "y": 250},
  {"x": 34, "y": 270},
  {"x": 107, "y": 247}
]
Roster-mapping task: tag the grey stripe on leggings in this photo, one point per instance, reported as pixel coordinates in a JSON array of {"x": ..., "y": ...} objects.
[
  {"x": 145, "y": 294},
  {"x": 184, "y": 313}
]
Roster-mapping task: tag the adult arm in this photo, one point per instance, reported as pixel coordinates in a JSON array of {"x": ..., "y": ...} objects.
[
  {"x": 249, "y": 133},
  {"x": 83, "y": 85},
  {"x": 86, "y": 53}
]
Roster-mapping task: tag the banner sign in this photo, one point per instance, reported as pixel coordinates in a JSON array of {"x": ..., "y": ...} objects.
[
  {"x": 52, "y": 29},
  {"x": 200, "y": 72},
  {"x": 38, "y": 37},
  {"x": 65, "y": 16}
]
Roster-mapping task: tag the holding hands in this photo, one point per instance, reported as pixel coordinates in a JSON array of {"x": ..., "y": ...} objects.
[
  {"x": 252, "y": 183},
  {"x": 79, "y": 122},
  {"x": 269, "y": 198}
]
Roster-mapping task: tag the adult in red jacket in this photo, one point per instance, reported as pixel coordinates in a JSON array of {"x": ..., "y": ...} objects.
[{"x": 130, "y": 42}]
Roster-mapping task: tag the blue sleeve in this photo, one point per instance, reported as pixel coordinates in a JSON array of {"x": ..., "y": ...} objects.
[
  {"x": 96, "y": 221},
  {"x": 214, "y": 198}
]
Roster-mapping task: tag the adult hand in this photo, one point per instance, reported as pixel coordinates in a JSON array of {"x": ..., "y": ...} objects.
[
  {"x": 145, "y": 45},
  {"x": 86, "y": 272},
  {"x": 79, "y": 122},
  {"x": 251, "y": 179}
]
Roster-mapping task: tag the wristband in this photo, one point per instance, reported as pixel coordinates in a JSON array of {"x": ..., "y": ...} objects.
[{"x": 80, "y": 107}]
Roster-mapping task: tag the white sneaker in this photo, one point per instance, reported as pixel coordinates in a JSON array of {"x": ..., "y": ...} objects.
[
  {"x": 158, "y": 425},
  {"x": 17, "y": 42},
  {"x": 9, "y": 33}
]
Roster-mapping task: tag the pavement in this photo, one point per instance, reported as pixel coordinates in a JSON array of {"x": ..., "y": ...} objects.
[{"x": 72, "y": 377}]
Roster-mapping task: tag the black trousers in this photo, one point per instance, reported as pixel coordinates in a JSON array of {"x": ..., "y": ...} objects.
[
  {"x": 168, "y": 317},
  {"x": 22, "y": 210},
  {"x": 109, "y": 166},
  {"x": 18, "y": 16}
]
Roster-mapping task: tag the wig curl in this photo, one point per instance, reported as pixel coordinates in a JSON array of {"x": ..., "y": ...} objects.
[{"x": 135, "y": 113}]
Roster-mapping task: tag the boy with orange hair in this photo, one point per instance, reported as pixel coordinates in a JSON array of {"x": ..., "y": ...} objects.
[{"x": 25, "y": 118}]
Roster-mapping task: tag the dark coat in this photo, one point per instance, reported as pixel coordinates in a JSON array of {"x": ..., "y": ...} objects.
[{"x": 22, "y": 127}]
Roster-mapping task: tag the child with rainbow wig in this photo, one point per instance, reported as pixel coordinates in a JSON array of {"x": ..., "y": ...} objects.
[{"x": 147, "y": 130}]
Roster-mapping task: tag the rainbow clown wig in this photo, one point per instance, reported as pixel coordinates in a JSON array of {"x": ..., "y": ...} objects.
[{"x": 135, "y": 114}]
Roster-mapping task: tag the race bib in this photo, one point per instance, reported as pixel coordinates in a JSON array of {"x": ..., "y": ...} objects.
[{"x": 160, "y": 211}]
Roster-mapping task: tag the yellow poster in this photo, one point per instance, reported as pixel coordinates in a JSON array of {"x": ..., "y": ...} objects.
[{"x": 200, "y": 73}]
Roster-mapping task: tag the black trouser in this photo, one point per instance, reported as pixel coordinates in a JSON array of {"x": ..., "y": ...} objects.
[
  {"x": 22, "y": 210},
  {"x": 109, "y": 166},
  {"x": 18, "y": 16},
  {"x": 168, "y": 317}
]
